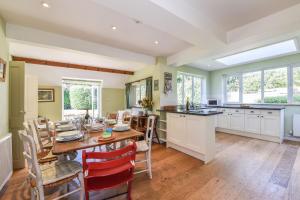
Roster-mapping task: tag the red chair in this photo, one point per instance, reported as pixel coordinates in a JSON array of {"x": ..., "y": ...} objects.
[{"x": 114, "y": 169}]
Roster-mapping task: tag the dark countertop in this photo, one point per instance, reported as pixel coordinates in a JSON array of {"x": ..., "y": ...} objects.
[
  {"x": 198, "y": 112},
  {"x": 260, "y": 107}
]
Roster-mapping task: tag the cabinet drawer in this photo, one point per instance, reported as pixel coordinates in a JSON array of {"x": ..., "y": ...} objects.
[
  {"x": 270, "y": 112},
  {"x": 239, "y": 111},
  {"x": 252, "y": 111},
  {"x": 224, "y": 110}
]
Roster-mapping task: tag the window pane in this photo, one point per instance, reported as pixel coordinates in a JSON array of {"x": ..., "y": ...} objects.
[
  {"x": 232, "y": 89},
  {"x": 197, "y": 90},
  {"x": 143, "y": 91},
  {"x": 252, "y": 87},
  {"x": 296, "y": 85},
  {"x": 137, "y": 94},
  {"x": 275, "y": 86},
  {"x": 188, "y": 88},
  {"x": 180, "y": 89}
]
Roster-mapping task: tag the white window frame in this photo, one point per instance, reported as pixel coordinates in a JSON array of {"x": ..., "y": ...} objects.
[
  {"x": 290, "y": 68},
  {"x": 203, "y": 87}
]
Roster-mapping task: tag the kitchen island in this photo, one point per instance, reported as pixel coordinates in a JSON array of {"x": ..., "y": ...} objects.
[{"x": 192, "y": 132}]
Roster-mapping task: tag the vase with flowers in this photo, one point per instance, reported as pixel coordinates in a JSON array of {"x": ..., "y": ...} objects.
[{"x": 146, "y": 104}]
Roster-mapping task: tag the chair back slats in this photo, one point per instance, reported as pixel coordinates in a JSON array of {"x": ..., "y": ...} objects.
[
  {"x": 150, "y": 128},
  {"x": 110, "y": 163},
  {"x": 30, "y": 155},
  {"x": 112, "y": 159}
]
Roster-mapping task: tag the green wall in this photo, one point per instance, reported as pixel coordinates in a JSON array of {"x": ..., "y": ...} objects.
[
  {"x": 112, "y": 100},
  {"x": 52, "y": 110},
  {"x": 216, "y": 83},
  {"x": 4, "y": 54}
]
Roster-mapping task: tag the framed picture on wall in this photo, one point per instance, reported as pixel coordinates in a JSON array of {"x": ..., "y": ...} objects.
[
  {"x": 45, "y": 95},
  {"x": 2, "y": 70},
  {"x": 167, "y": 83}
]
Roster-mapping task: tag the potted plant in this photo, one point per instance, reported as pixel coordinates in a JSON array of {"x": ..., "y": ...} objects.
[{"x": 147, "y": 104}]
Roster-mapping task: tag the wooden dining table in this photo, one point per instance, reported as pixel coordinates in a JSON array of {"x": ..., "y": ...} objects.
[{"x": 90, "y": 140}]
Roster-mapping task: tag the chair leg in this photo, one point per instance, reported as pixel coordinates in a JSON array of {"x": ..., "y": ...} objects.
[
  {"x": 40, "y": 191},
  {"x": 81, "y": 182},
  {"x": 129, "y": 190},
  {"x": 32, "y": 192},
  {"x": 156, "y": 134},
  {"x": 149, "y": 167}
]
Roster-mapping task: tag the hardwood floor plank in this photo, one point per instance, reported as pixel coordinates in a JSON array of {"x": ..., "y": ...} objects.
[{"x": 242, "y": 170}]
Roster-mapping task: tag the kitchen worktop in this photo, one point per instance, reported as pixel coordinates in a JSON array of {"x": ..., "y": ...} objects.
[
  {"x": 201, "y": 112},
  {"x": 261, "y": 107}
]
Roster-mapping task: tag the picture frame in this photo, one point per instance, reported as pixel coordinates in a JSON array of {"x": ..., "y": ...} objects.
[
  {"x": 156, "y": 85},
  {"x": 46, "y": 95},
  {"x": 167, "y": 83},
  {"x": 2, "y": 70}
]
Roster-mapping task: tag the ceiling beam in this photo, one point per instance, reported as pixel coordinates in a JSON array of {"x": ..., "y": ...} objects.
[
  {"x": 36, "y": 36},
  {"x": 70, "y": 65},
  {"x": 177, "y": 19}
]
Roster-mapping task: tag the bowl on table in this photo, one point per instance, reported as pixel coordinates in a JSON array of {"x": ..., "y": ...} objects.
[
  {"x": 66, "y": 127},
  {"x": 121, "y": 127},
  {"x": 94, "y": 127}
]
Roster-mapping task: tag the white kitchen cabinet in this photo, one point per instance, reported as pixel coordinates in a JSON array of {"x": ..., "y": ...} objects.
[
  {"x": 237, "y": 121},
  {"x": 224, "y": 120},
  {"x": 252, "y": 123},
  {"x": 176, "y": 128},
  {"x": 258, "y": 123},
  {"x": 270, "y": 125},
  {"x": 195, "y": 139},
  {"x": 192, "y": 134}
]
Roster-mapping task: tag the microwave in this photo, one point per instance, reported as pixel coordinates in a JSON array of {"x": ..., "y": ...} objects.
[{"x": 213, "y": 102}]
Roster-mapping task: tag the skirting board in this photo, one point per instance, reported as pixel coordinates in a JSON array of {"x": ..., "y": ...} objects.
[
  {"x": 251, "y": 135},
  {"x": 194, "y": 154},
  {"x": 6, "y": 180}
]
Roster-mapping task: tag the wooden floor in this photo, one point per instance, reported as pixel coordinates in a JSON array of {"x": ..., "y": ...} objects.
[{"x": 244, "y": 168}]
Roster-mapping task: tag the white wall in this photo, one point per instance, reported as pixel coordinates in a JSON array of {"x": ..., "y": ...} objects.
[{"x": 52, "y": 76}]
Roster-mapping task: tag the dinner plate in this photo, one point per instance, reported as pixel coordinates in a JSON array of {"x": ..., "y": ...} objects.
[
  {"x": 68, "y": 139},
  {"x": 121, "y": 129}
]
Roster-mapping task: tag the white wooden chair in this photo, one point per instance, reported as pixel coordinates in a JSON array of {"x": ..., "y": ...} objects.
[
  {"x": 43, "y": 154},
  {"x": 49, "y": 175},
  {"x": 43, "y": 133},
  {"x": 145, "y": 146}
]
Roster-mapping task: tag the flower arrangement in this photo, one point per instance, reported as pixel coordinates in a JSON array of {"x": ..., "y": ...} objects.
[{"x": 146, "y": 103}]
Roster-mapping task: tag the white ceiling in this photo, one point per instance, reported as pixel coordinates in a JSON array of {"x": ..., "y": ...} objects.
[
  {"x": 231, "y": 14},
  {"x": 194, "y": 32}
]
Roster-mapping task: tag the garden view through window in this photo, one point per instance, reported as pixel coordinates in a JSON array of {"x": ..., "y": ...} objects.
[
  {"x": 80, "y": 96},
  {"x": 264, "y": 86},
  {"x": 189, "y": 86}
]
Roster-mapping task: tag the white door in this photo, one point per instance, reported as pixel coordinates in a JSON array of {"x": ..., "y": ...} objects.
[
  {"x": 176, "y": 131},
  {"x": 195, "y": 140},
  {"x": 237, "y": 122},
  {"x": 223, "y": 121},
  {"x": 252, "y": 123},
  {"x": 31, "y": 97},
  {"x": 270, "y": 125}
]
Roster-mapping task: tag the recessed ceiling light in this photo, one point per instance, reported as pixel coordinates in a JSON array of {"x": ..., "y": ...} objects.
[
  {"x": 278, "y": 49},
  {"x": 114, "y": 28},
  {"x": 156, "y": 42},
  {"x": 45, "y": 5}
]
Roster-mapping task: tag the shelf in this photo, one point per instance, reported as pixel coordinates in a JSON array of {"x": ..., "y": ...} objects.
[{"x": 163, "y": 121}]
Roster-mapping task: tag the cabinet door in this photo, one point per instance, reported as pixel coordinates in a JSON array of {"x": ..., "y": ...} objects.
[
  {"x": 176, "y": 132},
  {"x": 195, "y": 139},
  {"x": 270, "y": 125},
  {"x": 237, "y": 122},
  {"x": 223, "y": 120},
  {"x": 252, "y": 123}
]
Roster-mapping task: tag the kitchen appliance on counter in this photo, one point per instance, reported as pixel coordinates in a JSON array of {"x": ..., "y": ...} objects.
[{"x": 213, "y": 102}]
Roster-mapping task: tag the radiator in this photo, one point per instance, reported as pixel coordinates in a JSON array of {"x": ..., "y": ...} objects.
[
  {"x": 5, "y": 160},
  {"x": 296, "y": 125}
]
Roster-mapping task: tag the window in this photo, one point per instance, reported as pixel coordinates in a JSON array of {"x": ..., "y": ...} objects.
[
  {"x": 80, "y": 96},
  {"x": 233, "y": 89},
  {"x": 281, "y": 48},
  {"x": 296, "y": 85},
  {"x": 252, "y": 87},
  {"x": 189, "y": 86},
  {"x": 140, "y": 91},
  {"x": 277, "y": 85}
]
